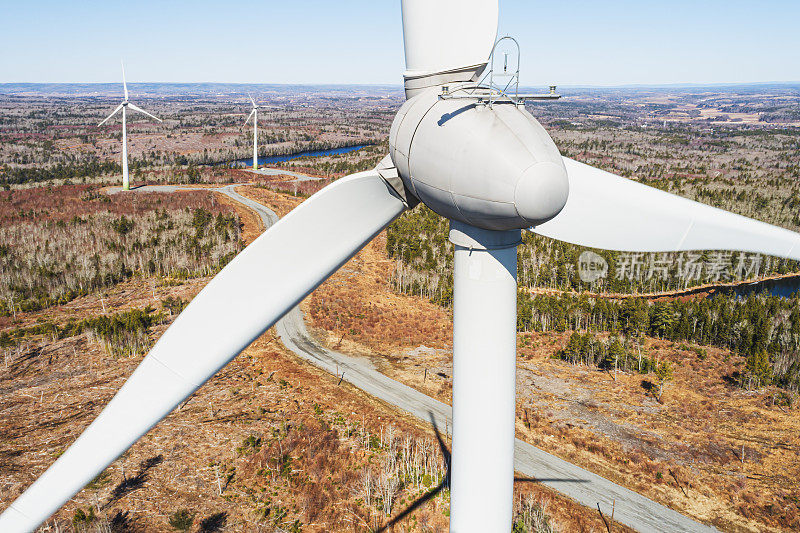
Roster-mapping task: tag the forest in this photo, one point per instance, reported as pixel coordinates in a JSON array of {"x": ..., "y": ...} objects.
[
  {"x": 418, "y": 241},
  {"x": 57, "y": 246},
  {"x": 765, "y": 330},
  {"x": 60, "y": 171},
  {"x": 760, "y": 328}
]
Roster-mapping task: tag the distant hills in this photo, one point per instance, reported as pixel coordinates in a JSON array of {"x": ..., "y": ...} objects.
[
  {"x": 215, "y": 90},
  {"x": 209, "y": 90}
]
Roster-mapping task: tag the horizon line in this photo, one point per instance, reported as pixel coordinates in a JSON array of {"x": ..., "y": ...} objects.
[{"x": 400, "y": 85}]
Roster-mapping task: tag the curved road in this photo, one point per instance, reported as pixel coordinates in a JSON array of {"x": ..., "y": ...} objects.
[
  {"x": 266, "y": 171},
  {"x": 587, "y": 488}
]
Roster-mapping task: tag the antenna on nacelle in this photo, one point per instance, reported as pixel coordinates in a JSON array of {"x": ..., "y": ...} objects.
[{"x": 511, "y": 79}]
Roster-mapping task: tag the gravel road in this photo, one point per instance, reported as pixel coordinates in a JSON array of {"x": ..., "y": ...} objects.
[{"x": 630, "y": 508}]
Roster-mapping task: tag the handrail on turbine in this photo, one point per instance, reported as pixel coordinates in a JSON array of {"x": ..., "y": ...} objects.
[{"x": 488, "y": 92}]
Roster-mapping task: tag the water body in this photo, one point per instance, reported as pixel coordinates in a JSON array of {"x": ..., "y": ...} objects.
[
  {"x": 272, "y": 159},
  {"x": 784, "y": 287}
]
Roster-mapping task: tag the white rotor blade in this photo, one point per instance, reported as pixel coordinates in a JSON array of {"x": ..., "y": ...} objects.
[
  {"x": 251, "y": 100},
  {"x": 248, "y": 116},
  {"x": 124, "y": 83},
  {"x": 260, "y": 285},
  {"x": 613, "y": 213},
  {"x": 111, "y": 115},
  {"x": 442, "y": 35},
  {"x": 140, "y": 110}
]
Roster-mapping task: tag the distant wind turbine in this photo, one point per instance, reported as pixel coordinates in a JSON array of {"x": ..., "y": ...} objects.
[
  {"x": 254, "y": 114},
  {"x": 123, "y": 106}
]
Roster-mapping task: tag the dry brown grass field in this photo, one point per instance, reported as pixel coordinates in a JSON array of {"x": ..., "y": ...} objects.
[{"x": 65, "y": 202}]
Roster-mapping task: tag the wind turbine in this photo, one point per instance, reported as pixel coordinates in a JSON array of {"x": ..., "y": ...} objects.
[
  {"x": 254, "y": 114},
  {"x": 124, "y": 107},
  {"x": 475, "y": 157}
]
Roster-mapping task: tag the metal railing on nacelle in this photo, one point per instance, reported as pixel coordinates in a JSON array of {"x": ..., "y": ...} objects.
[{"x": 487, "y": 92}]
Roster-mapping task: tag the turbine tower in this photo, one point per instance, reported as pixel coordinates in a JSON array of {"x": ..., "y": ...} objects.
[
  {"x": 254, "y": 114},
  {"x": 124, "y": 107},
  {"x": 473, "y": 155}
]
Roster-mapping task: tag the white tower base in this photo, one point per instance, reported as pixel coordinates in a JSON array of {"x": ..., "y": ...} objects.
[
  {"x": 255, "y": 138},
  {"x": 484, "y": 378}
]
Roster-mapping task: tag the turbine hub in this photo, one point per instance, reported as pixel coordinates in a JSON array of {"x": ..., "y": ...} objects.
[{"x": 541, "y": 192}]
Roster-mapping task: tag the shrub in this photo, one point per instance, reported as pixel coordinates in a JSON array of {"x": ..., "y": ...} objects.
[
  {"x": 174, "y": 305},
  {"x": 122, "y": 225},
  {"x": 181, "y": 520},
  {"x": 664, "y": 374},
  {"x": 81, "y": 519},
  {"x": 249, "y": 445}
]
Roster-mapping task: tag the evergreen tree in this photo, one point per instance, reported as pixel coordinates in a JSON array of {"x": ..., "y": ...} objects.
[
  {"x": 661, "y": 320},
  {"x": 634, "y": 316},
  {"x": 615, "y": 353},
  {"x": 572, "y": 351},
  {"x": 757, "y": 370}
]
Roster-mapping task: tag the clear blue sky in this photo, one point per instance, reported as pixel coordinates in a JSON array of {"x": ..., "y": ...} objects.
[{"x": 569, "y": 42}]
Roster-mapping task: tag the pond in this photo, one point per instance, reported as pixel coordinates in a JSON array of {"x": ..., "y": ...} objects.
[
  {"x": 784, "y": 287},
  {"x": 272, "y": 159}
]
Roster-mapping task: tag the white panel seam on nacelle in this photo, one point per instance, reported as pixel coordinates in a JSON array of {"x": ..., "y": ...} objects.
[
  {"x": 518, "y": 138},
  {"x": 455, "y": 202},
  {"x": 411, "y": 144}
]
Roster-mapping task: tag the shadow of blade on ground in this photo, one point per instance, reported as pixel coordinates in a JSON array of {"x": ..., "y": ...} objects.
[
  {"x": 422, "y": 500},
  {"x": 419, "y": 502},
  {"x": 215, "y": 522},
  {"x": 549, "y": 480}
]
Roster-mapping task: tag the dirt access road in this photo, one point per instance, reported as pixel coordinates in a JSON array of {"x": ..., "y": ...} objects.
[{"x": 587, "y": 488}]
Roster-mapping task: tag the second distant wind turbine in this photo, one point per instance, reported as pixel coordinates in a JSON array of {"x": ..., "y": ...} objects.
[
  {"x": 254, "y": 114},
  {"x": 124, "y": 106}
]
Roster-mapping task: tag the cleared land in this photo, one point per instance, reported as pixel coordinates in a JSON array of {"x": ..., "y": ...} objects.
[{"x": 710, "y": 447}]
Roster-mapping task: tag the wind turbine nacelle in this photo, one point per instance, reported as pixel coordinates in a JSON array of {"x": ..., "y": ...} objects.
[{"x": 494, "y": 167}]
